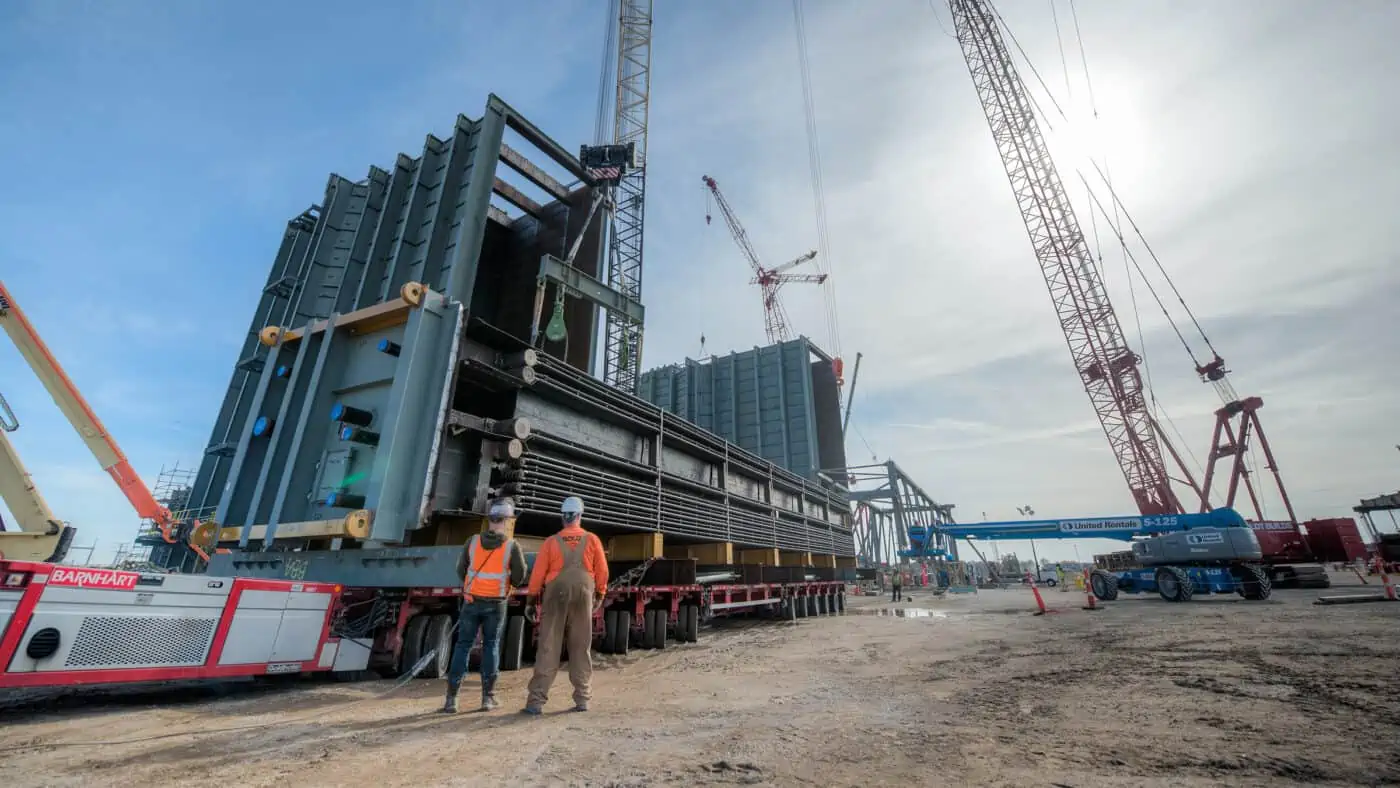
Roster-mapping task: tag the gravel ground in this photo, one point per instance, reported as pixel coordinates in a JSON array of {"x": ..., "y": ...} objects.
[{"x": 967, "y": 690}]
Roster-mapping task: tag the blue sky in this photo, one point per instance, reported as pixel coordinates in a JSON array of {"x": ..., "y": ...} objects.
[{"x": 156, "y": 149}]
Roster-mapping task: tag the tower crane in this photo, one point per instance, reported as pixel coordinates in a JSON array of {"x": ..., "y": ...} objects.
[
  {"x": 81, "y": 415},
  {"x": 622, "y": 343},
  {"x": 1107, "y": 366},
  {"x": 770, "y": 280}
]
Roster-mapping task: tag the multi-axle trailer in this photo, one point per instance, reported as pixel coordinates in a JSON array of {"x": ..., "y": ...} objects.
[{"x": 70, "y": 626}]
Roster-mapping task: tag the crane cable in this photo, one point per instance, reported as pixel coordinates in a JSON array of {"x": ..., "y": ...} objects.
[
  {"x": 1115, "y": 224},
  {"x": 814, "y": 163},
  {"x": 1117, "y": 203}
]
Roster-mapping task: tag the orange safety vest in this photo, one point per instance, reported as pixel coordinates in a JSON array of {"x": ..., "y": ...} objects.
[{"x": 488, "y": 571}]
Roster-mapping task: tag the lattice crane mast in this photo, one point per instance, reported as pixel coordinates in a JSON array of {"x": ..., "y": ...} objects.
[
  {"x": 622, "y": 338},
  {"x": 1107, "y": 367},
  {"x": 84, "y": 420},
  {"x": 770, "y": 280}
]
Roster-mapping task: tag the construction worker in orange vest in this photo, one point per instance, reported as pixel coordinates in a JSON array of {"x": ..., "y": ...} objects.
[
  {"x": 490, "y": 564},
  {"x": 571, "y": 574}
]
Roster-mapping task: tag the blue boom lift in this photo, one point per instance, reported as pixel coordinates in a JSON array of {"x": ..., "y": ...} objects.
[{"x": 1178, "y": 554}]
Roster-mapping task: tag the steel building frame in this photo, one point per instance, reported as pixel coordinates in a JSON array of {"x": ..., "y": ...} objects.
[{"x": 885, "y": 513}]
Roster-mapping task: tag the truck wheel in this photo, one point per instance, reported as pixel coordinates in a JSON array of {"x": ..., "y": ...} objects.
[
  {"x": 438, "y": 637},
  {"x": 513, "y": 643},
  {"x": 1254, "y": 582},
  {"x": 1173, "y": 584},
  {"x": 1104, "y": 585},
  {"x": 621, "y": 632}
]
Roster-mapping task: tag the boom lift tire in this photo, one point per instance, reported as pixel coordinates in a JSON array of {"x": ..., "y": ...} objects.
[
  {"x": 438, "y": 634},
  {"x": 513, "y": 643},
  {"x": 412, "y": 649},
  {"x": 1255, "y": 584},
  {"x": 1173, "y": 584},
  {"x": 1104, "y": 585}
]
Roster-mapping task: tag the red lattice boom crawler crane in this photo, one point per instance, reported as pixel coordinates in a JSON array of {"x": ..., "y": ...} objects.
[
  {"x": 1107, "y": 366},
  {"x": 769, "y": 279}
]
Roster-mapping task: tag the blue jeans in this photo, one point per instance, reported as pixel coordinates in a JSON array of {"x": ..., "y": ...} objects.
[{"x": 488, "y": 617}]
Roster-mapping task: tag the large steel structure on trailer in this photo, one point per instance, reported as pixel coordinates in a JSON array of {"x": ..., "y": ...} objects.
[{"x": 394, "y": 380}]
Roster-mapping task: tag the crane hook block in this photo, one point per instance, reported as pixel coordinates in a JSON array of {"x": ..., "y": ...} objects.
[{"x": 270, "y": 336}]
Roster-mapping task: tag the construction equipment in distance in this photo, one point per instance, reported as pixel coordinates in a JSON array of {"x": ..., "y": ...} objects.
[
  {"x": 1107, "y": 366},
  {"x": 84, "y": 420},
  {"x": 41, "y": 535},
  {"x": 769, "y": 280},
  {"x": 1215, "y": 552}
]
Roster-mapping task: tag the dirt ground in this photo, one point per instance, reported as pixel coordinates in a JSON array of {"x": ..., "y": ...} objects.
[{"x": 974, "y": 692}]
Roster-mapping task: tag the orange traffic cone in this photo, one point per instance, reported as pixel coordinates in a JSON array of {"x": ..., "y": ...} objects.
[{"x": 1091, "y": 602}]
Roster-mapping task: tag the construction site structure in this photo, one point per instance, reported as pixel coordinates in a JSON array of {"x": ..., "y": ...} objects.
[
  {"x": 782, "y": 402},
  {"x": 1108, "y": 367}
]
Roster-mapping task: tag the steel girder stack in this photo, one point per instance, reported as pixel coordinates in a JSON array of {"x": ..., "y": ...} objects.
[{"x": 387, "y": 389}]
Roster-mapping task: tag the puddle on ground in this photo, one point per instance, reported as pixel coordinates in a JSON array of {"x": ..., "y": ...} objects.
[{"x": 898, "y": 612}]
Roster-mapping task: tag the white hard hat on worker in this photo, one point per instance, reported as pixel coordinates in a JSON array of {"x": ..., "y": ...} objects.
[{"x": 571, "y": 510}]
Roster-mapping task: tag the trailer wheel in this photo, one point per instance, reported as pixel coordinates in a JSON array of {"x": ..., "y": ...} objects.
[
  {"x": 824, "y": 605},
  {"x": 811, "y": 605},
  {"x": 1104, "y": 585},
  {"x": 692, "y": 623},
  {"x": 621, "y": 632},
  {"x": 1254, "y": 582},
  {"x": 513, "y": 643},
  {"x": 1173, "y": 584},
  {"x": 841, "y": 602},
  {"x": 438, "y": 636},
  {"x": 654, "y": 629},
  {"x": 609, "y": 644},
  {"x": 790, "y": 609},
  {"x": 412, "y": 643}
]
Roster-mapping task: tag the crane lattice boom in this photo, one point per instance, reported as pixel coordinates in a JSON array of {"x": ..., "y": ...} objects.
[
  {"x": 1107, "y": 367},
  {"x": 770, "y": 280}
]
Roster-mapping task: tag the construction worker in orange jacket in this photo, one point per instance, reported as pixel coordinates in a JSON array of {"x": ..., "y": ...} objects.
[
  {"x": 570, "y": 578},
  {"x": 491, "y": 563}
]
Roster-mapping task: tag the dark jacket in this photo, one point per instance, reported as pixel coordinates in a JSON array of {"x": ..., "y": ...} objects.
[{"x": 491, "y": 540}]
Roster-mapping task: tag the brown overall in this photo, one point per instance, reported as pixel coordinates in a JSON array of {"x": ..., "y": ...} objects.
[{"x": 567, "y": 613}]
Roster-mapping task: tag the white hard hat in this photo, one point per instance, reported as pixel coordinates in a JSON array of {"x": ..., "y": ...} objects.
[
  {"x": 572, "y": 505},
  {"x": 502, "y": 508}
]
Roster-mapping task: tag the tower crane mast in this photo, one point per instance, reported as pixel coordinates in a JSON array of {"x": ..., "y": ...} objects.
[
  {"x": 622, "y": 339},
  {"x": 770, "y": 280},
  {"x": 1107, "y": 367}
]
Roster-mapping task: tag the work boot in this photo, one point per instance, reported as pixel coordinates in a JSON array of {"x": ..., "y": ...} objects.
[
  {"x": 450, "y": 705},
  {"x": 488, "y": 695}
]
